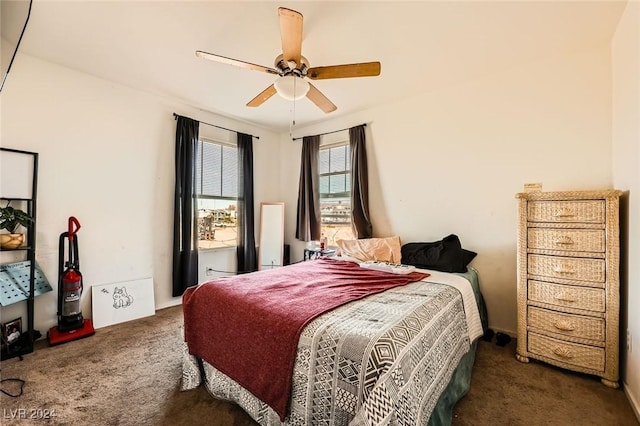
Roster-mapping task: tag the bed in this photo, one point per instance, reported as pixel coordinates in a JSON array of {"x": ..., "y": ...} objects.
[{"x": 399, "y": 355}]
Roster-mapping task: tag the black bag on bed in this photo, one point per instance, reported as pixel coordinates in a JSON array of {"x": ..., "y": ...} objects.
[{"x": 446, "y": 255}]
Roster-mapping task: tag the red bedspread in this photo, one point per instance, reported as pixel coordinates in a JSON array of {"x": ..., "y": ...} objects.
[{"x": 248, "y": 326}]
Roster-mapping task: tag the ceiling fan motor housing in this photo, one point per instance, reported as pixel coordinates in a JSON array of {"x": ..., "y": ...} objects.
[{"x": 285, "y": 67}]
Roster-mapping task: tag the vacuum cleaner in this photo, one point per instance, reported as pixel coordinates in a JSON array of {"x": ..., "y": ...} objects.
[{"x": 71, "y": 324}]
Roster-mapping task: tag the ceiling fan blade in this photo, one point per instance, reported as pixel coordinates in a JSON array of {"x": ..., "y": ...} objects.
[
  {"x": 320, "y": 100},
  {"x": 291, "y": 34},
  {"x": 236, "y": 62},
  {"x": 364, "y": 69},
  {"x": 262, "y": 97}
]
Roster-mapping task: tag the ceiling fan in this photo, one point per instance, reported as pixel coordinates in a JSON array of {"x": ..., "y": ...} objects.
[{"x": 293, "y": 68}]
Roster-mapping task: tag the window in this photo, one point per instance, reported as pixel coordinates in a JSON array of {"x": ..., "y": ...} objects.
[
  {"x": 334, "y": 169},
  {"x": 217, "y": 193}
]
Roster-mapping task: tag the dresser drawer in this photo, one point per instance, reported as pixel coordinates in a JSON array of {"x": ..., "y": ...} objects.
[
  {"x": 571, "y": 353},
  {"x": 588, "y": 211},
  {"x": 590, "y": 299},
  {"x": 589, "y": 240},
  {"x": 567, "y": 324},
  {"x": 570, "y": 268}
]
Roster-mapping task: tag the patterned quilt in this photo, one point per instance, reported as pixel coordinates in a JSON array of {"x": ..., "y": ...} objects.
[{"x": 381, "y": 360}]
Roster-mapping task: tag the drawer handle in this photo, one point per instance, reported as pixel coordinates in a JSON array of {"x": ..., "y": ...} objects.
[
  {"x": 564, "y": 325},
  {"x": 563, "y": 352},
  {"x": 562, "y": 297},
  {"x": 564, "y": 270},
  {"x": 565, "y": 213},
  {"x": 564, "y": 241}
]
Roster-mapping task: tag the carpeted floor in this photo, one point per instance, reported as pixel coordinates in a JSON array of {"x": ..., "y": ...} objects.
[{"x": 129, "y": 374}]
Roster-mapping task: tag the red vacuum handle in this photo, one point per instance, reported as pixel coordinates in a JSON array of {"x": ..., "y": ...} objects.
[{"x": 73, "y": 221}]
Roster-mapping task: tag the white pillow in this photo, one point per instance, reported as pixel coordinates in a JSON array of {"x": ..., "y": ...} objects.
[{"x": 380, "y": 249}]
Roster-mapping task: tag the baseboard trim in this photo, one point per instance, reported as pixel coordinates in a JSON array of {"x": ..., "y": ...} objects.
[
  {"x": 173, "y": 302},
  {"x": 632, "y": 400}
]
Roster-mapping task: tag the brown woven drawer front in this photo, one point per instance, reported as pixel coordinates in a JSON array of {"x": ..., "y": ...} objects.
[
  {"x": 591, "y": 240},
  {"x": 572, "y": 353},
  {"x": 589, "y": 211},
  {"x": 567, "y": 324},
  {"x": 571, "y": 268},
  {"x": 590, "y": 299}
]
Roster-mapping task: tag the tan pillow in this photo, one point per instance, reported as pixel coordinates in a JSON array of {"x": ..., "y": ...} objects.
[{"x": 380, "y": 249}]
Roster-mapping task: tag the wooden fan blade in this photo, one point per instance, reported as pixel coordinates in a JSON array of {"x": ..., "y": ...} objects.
[
  {"x": 236, "y": 62},
  {"x": 320, "y": 100},
  {"x": 263, "y": 96},
  {"x": 291, "y": 34},
  {"x": 364, "y": 69}
]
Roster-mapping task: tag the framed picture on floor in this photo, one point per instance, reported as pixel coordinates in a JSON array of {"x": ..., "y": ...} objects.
[{"x": 11, "y": 332}]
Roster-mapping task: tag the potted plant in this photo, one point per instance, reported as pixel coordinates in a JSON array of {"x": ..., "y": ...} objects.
[{"x": 10, "y": 220}]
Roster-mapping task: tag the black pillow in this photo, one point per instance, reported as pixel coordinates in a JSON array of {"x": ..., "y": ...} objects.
[{"x": 446, "y": 255}]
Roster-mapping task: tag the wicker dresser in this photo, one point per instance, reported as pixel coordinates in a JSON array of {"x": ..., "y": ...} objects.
[{"x": 568, "y": 280}]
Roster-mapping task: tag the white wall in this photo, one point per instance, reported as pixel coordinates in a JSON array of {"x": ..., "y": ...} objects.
[
  {"x": 626, "y": 176},
  {"x": 106, "y": 157},
  {"x": 452, "y": 161}
]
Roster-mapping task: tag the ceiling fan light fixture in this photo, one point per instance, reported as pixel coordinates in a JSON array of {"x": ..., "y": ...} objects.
[{"x": 292, "y": 87}]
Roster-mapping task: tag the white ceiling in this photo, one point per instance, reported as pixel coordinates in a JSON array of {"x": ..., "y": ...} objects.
[{"x": 422, "y": 45}]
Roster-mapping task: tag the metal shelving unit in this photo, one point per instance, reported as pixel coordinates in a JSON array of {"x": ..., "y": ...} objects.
[{"x": 26, "y": 339}]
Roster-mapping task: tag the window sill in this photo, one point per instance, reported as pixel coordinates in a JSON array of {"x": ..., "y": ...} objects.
[{"x": 215, "y": 249}]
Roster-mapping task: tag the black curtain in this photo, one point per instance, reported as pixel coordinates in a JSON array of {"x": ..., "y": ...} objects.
[
  {"x": 308, "y": 216},
  {"x": 246, "y": 251},
  {"x": 361, "y": 221},
  {"x": 185, "y": 240}
]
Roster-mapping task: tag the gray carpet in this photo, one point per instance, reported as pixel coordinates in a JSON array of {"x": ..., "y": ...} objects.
[{"x": 129, "y": 374}]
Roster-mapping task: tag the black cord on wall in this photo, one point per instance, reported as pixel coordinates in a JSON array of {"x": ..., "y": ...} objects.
[{"x": 4, "y": 78}]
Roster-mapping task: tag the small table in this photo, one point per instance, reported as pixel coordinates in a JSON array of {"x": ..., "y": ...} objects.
[{"x": 314, "y": 253}]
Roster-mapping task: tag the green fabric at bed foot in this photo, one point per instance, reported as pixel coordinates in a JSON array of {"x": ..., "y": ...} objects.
[{"x": 457, "y": 388}]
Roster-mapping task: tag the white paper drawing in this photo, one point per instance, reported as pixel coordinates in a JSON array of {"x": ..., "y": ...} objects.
[{"x": 120, "y": 302}]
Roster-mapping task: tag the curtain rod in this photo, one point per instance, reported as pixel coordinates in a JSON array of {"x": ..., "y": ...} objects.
[
  {"x": 335, "y": 131},
  {"x": 175, "y": 117}
]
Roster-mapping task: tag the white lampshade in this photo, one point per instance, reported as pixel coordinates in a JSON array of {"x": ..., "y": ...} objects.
[{"x": 292, "y": 87}]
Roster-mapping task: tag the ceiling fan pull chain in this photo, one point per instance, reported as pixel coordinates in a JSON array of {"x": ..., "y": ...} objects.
[
  {"x": 293, "y": 117},
  {"x": 293, "y": 120}
]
